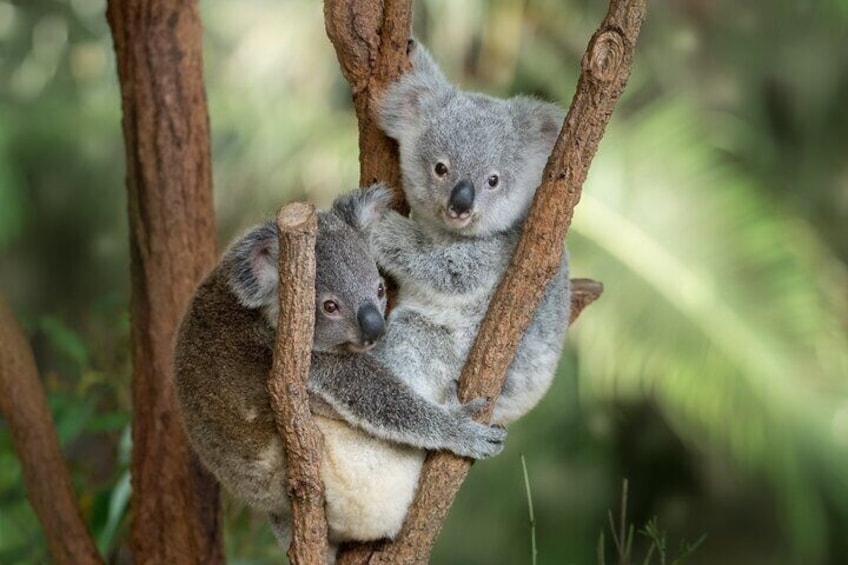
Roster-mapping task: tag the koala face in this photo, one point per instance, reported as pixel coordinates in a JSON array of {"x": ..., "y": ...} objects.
[
  {"x": 466, "y": 171},
  {"x": 350, "y": 293},
  {"x": 350, "y": 296},
  {"x": 471, "y": 163}
]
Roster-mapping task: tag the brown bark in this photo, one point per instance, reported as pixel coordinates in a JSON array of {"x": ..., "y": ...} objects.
[
  {"x": 370, "y": 39},
  {"x": 175, "y": 507},
  {"x": 303, "y": 442},
  {"x": 46, "y": 477},
  {"x": 583, "y": 293},
  {"x": 604, "y": 72}
]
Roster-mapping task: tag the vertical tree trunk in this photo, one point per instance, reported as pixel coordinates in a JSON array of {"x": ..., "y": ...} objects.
[
  {"x": 298, "y": 226},
  {"x": 175, "y": 507}
]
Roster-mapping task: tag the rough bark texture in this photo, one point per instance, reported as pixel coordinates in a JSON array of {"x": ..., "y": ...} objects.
[
  {"x": 370, "y": 39},
  {"x": 604, "y": 72},
  {"x": 583, "y": 293},
  {"x": 303, "y": 442},
  {"x": 175, "y": 508},
  {"x": 46, "y": 477}
]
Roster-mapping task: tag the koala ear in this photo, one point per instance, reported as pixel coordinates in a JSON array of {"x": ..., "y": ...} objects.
[
  {"x": 539, "y": 122},
  {"x": 360, "y": 208},
  {"x": 422, "y": 62},
  {"x": 253, "y": 274},
  {"x": 402, "y": 107}
]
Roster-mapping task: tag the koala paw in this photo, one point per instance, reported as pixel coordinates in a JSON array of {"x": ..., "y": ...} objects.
[
  {"x": 480, "y": 441},
  {"x": 476, "y": 440}
]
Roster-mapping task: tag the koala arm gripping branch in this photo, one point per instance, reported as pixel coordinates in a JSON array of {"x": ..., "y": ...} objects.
[
  {"x": 451, "y": 265},
  {"x": 366, "y": 395}
]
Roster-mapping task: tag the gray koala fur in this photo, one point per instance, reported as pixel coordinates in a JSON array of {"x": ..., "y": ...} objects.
[
  {"x": 374, "y": 425},
  {"x": 471, "y": 164}
]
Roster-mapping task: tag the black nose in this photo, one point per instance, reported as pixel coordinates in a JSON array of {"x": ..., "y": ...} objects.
[
  {"x": 370, "y": 323},
  {"x": 461, "y": 198}
]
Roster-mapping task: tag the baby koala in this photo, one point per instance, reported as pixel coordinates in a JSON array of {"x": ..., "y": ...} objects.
[
  {"x": 470, "y": 164},
  {"x": 374, "y": 425}
]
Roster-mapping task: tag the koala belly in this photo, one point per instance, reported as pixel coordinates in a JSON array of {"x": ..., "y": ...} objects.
[{"x": 369, "y": 483}]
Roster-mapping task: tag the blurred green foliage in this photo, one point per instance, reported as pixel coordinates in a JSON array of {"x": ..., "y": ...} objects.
[{"x": 713, "y": 372}]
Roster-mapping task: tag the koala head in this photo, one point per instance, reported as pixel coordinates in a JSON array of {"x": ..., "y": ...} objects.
[
  {"x": 350, "y": 296},
  {"x": 471, "y": 163}
]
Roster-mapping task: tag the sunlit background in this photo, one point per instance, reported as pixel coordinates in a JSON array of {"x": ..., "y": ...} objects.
[{"x": 713, "y": 374}]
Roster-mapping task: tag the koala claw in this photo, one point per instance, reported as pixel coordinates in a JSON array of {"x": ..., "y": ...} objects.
[
  {"x": 476, "y": 440},
  {"x": 480, "y": 441}
]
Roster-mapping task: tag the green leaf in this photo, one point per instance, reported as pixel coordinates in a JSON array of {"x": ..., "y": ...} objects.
[{"x": 65, "y": 340}]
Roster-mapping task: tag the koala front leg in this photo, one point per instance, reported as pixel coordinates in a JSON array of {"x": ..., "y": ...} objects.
[
  {"x": 366, "y": 395},
  {"x": 448, "y": 264}
]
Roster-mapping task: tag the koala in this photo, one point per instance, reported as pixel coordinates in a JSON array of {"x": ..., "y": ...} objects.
[
  {"x": 374, "y": 425},
  {"x": 470, "y": 166}
]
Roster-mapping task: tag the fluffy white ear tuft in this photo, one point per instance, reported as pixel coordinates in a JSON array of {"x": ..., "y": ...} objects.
[
  {"x": 361, "y": 208},
  {"x": 253, "y": 274},
  {"x": 401, "y": 110},
  {"x": 540, "y": 122},
  {"x": 422, "y": 62}
]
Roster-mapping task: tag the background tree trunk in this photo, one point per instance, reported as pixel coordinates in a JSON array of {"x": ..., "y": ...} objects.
[
  {"x": 175, "y": 505},
  {"x": 48, "y": 483}
]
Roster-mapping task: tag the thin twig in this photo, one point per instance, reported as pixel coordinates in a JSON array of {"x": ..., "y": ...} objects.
[{"x": 534, "y": 551}]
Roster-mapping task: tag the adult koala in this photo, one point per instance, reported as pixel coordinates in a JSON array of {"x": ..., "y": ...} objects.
[{"x": 471, "y": 164}]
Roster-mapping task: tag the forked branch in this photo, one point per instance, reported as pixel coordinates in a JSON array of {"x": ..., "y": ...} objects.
[{"x": 604, "y": 73}]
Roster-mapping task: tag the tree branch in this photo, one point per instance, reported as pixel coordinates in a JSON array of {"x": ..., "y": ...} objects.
[
  {"x": 604, "y": 72},
  {"x": 370, "y": 39},
  {"x": 297, "y": 224},
  {"x": 46, "y": 477},
  {"x": 583, "y": 293},
  {"x": 175, "y": 505}
]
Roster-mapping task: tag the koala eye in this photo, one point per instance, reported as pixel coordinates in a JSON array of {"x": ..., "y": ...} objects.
[
  {"x": 493, "y": 181},
  {"x": 330, "y": 306},
  {"x": 441, "y": 169},
  {"x": 381, "y": 291}
]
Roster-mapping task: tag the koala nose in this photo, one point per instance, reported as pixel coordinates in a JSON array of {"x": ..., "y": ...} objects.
[
  {"x": 461, "y": 199},
  {"x": 370, "y": 323}
]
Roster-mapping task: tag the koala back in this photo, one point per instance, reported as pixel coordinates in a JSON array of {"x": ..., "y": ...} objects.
[{"x": 223, "y": 356}]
